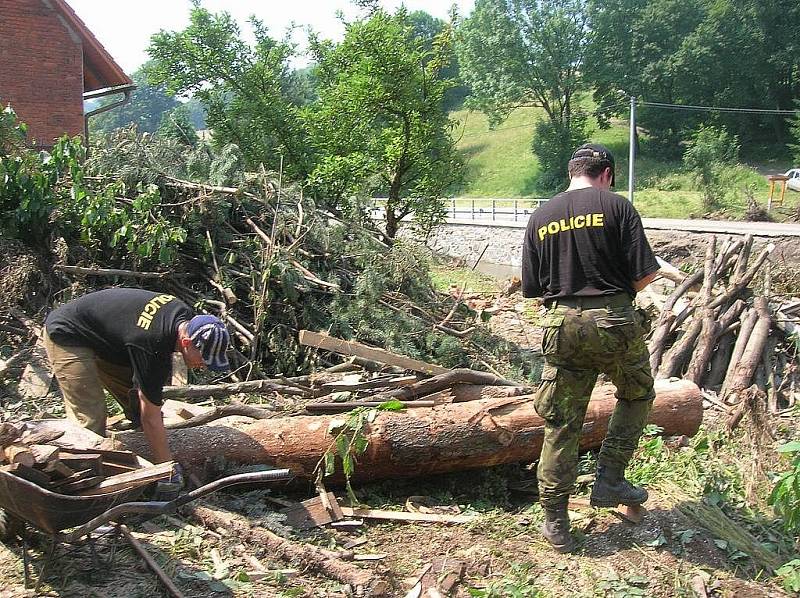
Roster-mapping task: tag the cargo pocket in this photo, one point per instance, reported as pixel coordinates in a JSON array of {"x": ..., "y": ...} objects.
[
  {"x": 551, "y": 323},
  {"x": 546, "y": 400},
  {"x": 617, "y": 330}
]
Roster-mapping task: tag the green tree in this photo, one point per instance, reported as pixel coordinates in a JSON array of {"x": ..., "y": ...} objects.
[
  {"x": 709, "y": 151},
  {"x": 794, "y": 129},
  {"x": 427, "y": 27},
  {"x": 728, "y": 53},
  {"x": 378, "y": 125},
  {"x": 516, "y": 53},
  {"x": 146, "y": 108},
  {"x": 244, "y": 89},
  {"x": 177, "y": 124}
]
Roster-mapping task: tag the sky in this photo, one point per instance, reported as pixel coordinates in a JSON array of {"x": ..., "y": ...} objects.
[{"x": 124, "y": 27}]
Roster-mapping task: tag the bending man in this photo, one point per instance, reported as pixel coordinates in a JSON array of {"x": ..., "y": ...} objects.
[{"x": 122, "y": 340}]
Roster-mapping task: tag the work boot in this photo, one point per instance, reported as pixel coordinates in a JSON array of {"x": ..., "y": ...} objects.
[
  {"x": 556, "y": 529},
  {"x": 612, "y": 489}
]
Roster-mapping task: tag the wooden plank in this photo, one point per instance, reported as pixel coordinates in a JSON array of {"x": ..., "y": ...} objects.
[
  {"x": 58, "y": 469},
  {"x": 313, "y": 513},
  {"x": 329, "y": 343},
  {"x": 43, "y": 453},
  {"x": 372, "y": 383},
  {"x": 122, "y": 457},
  {"x": 19, "y": 453},
  {"x": 76, "y": 476},
  {"x": 406, "y": 516},
  {"x": 140, "y": 477},
  {"x": 81, "y": 486},
  {"x": 93, "y": 462}
]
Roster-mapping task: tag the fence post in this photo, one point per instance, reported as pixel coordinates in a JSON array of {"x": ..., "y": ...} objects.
[
  {"x": 454, "y": 206},
  {"x": 515, "y": 210},
  {"x": 493, "y": 209}
]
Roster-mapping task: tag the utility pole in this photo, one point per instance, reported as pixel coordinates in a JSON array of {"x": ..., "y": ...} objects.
[{"x": 632, "y": 148}]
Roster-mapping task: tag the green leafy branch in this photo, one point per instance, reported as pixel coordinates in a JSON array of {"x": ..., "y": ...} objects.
[
  {"x": 349, "y": 441},
  {"x": 785, "y": 497}
]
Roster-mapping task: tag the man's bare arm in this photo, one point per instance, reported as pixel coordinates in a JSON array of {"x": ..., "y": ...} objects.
[
  {"x": 153, "y": 428},
  {"x": 638, "y": 285}
]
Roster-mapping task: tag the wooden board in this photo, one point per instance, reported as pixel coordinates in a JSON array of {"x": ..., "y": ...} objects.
[
  {"x": 312, "y": 513},
  {"x": 371, "y": 383},
  {"x": 92, "y": 462},
  {"x": 139, "y": 477},
  {"x": 329, "y": 343},
  {"x": 406, "y": 516},
  {"x": 122, "y": 457}
]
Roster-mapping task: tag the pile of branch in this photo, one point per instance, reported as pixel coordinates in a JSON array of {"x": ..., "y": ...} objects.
[
  {"x": 722, "y": 336},
  {"x": 36, "y": 457}
]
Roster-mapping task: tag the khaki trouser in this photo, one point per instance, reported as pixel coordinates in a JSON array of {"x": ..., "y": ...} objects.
[
  {"x": 82, "y": 377},
  {"x": 577, "y": 345}
]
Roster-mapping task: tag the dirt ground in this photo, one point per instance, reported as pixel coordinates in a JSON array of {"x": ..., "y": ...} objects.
[{"x": 504, "y": 555}]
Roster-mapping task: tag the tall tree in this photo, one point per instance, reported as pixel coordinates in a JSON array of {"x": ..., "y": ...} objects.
[
  {"x": 379, "y": 125},
  {"x": 705, "y": 52},
  {"x": 516, "y": 53},
  {"x": 146, "y": 108},
  {"x": 244, "y": 89}
]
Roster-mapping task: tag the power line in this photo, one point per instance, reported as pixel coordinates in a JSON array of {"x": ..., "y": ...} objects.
[{"x": 716, "y": 108}]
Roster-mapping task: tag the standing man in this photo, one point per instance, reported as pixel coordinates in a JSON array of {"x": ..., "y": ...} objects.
[
  {"x": 585, "y": 253},
  {"x": 122, "y": 340}
]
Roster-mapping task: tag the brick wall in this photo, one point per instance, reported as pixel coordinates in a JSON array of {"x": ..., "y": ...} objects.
[{"x": 41, "y": 70}]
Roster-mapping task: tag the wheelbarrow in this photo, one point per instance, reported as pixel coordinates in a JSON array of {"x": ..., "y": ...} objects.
[{"x": 52, "y": 513}]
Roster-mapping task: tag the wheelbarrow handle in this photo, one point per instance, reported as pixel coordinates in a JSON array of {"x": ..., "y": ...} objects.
[{"x": 155, "y": 508}]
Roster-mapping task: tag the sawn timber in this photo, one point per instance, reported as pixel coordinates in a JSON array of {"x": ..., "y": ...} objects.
[{"x": 418, "y": 441}]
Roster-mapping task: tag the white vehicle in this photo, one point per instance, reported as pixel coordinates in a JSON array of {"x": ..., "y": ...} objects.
[{"x": 794, "y": 179}]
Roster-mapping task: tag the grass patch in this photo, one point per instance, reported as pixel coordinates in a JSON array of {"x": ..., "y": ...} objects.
[
  {"x": 500, "y": 164},
  {"x": 444, "y": 277}
]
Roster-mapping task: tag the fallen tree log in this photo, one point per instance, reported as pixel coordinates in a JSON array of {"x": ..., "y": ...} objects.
[
  {"x": 442, "y": 381},
  {"x": 326, "y": 562},
  {"x": 417, "y": 442},
  {"x": 204, "y": 391}
]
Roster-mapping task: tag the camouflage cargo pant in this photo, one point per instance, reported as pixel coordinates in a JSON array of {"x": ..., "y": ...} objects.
[{"x": 578, "y": 344}]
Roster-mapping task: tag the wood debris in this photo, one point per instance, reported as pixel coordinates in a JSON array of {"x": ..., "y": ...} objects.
[{"x": 72, "y": 469}]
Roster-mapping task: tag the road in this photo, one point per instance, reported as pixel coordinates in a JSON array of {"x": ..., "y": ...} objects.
[{"x": 725, "y": 227}]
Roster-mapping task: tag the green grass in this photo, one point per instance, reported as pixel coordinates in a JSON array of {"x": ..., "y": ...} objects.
[
  {"x": 500, "y": 164},
  {"x": 444, "y": 277}
]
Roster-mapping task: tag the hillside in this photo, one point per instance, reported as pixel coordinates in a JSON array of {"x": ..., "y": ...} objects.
[{"x": 500, "y": 164}]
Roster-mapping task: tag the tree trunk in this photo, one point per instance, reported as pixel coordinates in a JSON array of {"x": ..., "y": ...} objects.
[
  {"x": 751, "y": 357},
  {"x": 418, "y": 441}
]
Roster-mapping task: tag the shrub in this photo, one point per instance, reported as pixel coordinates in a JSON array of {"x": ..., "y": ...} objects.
[
  {"x": 710, "y": 149},
  {"x": 553, "y": 143}
]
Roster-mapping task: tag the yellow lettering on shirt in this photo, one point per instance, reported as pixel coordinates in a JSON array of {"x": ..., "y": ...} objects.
[
  {"x": 150, "y": 310},
  {"x": 575, "y": 222}
]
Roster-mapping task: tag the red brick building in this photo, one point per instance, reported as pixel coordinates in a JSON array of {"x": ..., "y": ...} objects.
[{"x": 49, "y": 64}]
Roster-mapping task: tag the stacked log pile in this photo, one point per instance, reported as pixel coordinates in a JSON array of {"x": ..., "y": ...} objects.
[{"x": 715, "y": 330}]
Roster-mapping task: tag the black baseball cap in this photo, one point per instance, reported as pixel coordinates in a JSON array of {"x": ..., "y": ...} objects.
[{"x": 597, "y": 152}]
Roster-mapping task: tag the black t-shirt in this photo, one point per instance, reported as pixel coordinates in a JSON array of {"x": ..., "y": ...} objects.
[
  {"x": 584, "y": 243},
  {"x": 130, "y": 327}
]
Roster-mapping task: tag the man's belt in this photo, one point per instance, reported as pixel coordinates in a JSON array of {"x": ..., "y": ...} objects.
[{"x": 593, "y": 302}]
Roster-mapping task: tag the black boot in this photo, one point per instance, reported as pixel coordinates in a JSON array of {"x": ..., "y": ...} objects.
[
  {"x": 612, "y": 489},
  {"x": 556, "y": 529}
]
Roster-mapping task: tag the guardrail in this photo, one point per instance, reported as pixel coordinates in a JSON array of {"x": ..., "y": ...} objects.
[{"x": 470, "y": 208}]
